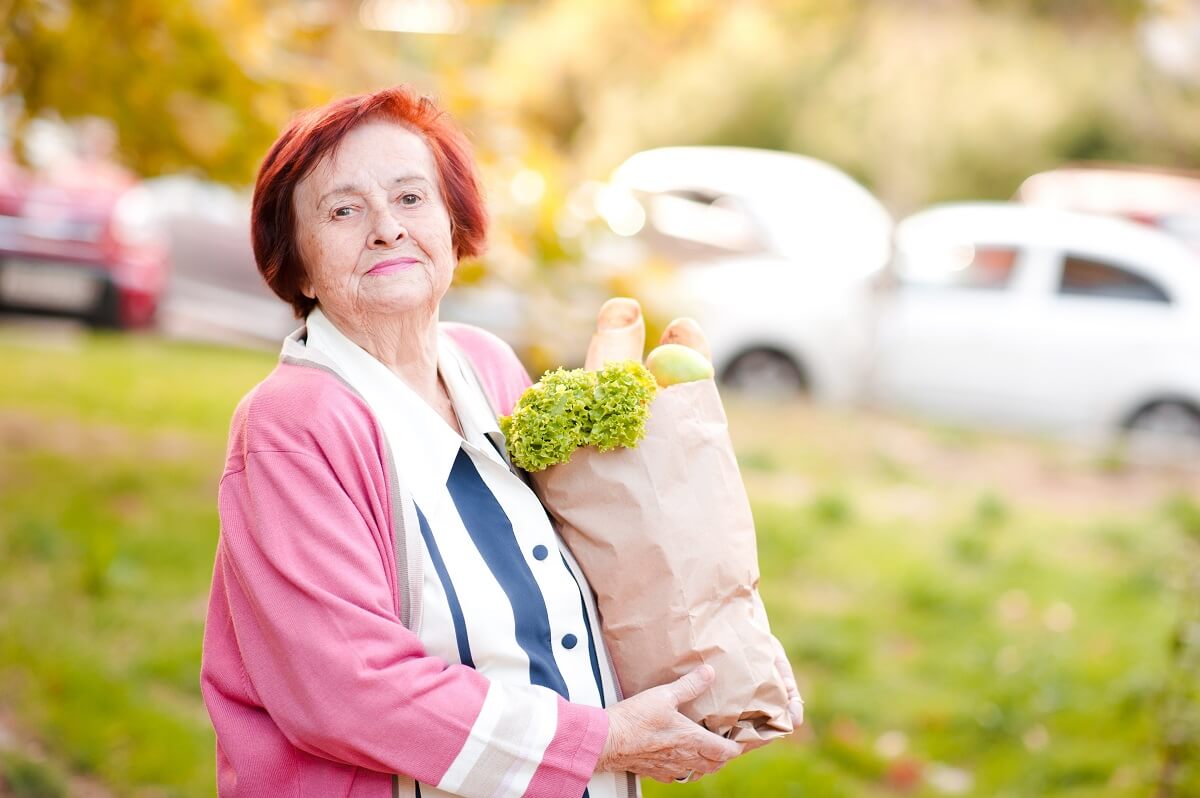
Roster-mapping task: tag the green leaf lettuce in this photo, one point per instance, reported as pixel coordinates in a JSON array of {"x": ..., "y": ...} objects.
[{"x": 565, "y": 410}]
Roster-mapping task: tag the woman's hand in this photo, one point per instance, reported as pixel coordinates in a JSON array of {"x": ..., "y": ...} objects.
[
  {"x": 648, "y": 736},
  {"x": 795, "y": 703},
  {"x": 784, "y": 668}
]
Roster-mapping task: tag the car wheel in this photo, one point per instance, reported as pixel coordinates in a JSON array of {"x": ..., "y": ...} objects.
[
  {"x": 1167, "y": 430},
  {"x": 107, "y": 314},
  {"x": 765, "y": 372}
]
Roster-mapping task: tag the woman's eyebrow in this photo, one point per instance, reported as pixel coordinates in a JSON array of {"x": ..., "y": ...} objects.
[
  {"x": 410, "y": 178},
  {"x": 349, "y": 188},
  {"x": 344, "y": 189}
]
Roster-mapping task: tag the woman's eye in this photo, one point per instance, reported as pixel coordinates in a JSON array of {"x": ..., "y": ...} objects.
[
  {"x": 410, "y": 199},
  {"x": 343, "y": 212}
]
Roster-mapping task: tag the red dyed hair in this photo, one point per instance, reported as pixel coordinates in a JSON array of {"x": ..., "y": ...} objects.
[{"x": 317, "y": 133}]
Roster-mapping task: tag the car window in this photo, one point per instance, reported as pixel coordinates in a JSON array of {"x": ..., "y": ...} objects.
[
  {"x": 698, "y": 224},
  {"x": 1185, "y": 227},
  {"x": 1088, "y": 277},
  {"x": 966, "y": 266}
]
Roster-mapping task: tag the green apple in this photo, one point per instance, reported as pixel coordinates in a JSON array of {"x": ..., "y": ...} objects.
[{"x": 672, "y": 364}]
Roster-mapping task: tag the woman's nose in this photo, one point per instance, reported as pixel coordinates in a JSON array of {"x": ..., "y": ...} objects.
[{"x": 386, "y": 230}]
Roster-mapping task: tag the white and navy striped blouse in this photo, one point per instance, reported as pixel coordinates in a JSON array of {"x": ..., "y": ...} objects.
[{"x": 500, "y": 592}]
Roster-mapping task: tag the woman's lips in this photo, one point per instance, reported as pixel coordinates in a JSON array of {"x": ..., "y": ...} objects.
[{"x": 394, "y": 265}]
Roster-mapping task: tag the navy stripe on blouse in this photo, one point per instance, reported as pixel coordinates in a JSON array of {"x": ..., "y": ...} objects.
[
  {"x": 587, "y": 624},
  {"x": 456, "y": 613},
  {"x": 492, "y": 532}
]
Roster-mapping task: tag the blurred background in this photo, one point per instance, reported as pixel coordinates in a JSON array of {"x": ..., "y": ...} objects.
[{"x": 947, "y": 253}]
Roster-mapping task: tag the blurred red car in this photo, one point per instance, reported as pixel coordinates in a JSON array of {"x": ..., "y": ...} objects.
[{"x": 82, "y": 244}]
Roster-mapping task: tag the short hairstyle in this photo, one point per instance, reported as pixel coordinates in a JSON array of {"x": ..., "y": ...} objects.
[{"x": 318, "y": 132}]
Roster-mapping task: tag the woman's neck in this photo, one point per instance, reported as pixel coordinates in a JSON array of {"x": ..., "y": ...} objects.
[{"x": 407, "y": 344}]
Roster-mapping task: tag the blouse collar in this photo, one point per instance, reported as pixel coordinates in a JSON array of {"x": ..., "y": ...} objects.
[{"x": 423, "y": 445}]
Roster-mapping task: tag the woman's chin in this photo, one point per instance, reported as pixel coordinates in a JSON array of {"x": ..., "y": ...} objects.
[{"x": 399, "y": 301}]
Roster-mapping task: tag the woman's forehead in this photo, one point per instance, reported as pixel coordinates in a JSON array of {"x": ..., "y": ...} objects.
[{"x": 374, "y": 152}]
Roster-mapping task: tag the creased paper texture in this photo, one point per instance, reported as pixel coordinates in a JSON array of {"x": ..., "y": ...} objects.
[{"x": 665, "y": 536}]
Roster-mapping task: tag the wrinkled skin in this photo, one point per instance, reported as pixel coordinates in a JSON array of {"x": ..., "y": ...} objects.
[
  {"x": 378, "y": 198},
  {"x": 647, "y": 734}
]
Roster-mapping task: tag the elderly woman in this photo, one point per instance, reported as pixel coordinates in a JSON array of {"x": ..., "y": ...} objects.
[{"x": 392, "y": 612}]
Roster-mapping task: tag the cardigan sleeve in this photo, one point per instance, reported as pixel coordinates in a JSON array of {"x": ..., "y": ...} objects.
[{"x": 306, "y": 573}]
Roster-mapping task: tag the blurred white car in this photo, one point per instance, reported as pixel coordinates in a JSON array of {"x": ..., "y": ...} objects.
[
  {"x": 772, "y": 252},
  {"x": 1040, "y": 319},
  {"x": 1162, "y": 198}
]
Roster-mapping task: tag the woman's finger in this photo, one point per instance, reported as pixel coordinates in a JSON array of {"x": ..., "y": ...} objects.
[
  {"x": 715, "y": 749},
  {"x": 687, "y": 332},
  {"x": 691, "y": 685},
  {"x": 617, "y": 313},
  {"x": 620, "y": 334},
  {"x": 784, "y": 668}
]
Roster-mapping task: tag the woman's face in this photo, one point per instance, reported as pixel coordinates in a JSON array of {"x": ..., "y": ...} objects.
[{"x": 372, "y": 227}]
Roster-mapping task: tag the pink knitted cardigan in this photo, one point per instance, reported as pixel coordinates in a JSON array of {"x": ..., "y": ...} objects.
[{"x": 313, "y": 684}]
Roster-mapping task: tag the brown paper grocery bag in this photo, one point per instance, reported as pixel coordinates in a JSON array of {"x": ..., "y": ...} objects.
[{"x": 665, "y": 536}]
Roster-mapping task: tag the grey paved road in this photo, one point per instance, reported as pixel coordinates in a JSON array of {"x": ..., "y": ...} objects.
[{"x": 215, "y": 292}]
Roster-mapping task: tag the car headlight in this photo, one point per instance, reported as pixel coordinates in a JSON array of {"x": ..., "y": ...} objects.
[{"x": 134, "y": 222}]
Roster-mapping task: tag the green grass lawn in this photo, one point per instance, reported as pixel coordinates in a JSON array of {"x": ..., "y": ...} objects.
[{"x": 967, "y": 614}]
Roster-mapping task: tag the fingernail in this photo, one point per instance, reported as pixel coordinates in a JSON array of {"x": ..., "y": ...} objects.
[
  {"x": 618, "y": 313},
  {"x": 796, "y": 710}
]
